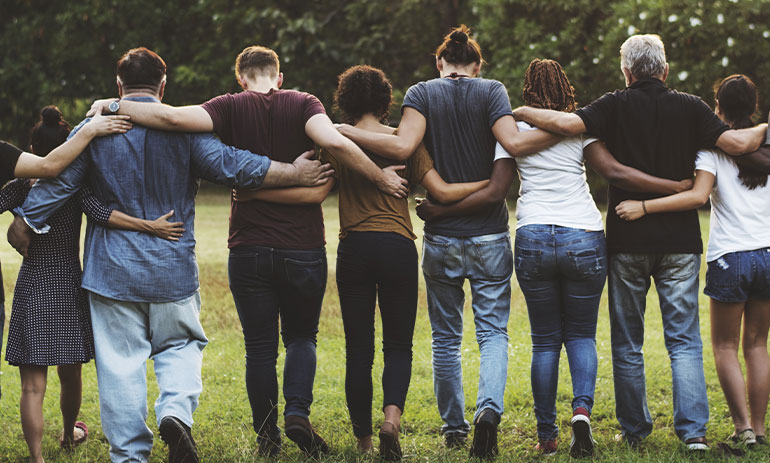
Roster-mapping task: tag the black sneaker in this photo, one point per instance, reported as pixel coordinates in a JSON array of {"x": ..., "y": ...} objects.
[
  {"x": 455, "y": 440},
  {"x": 485, "y": 435},
  {"x": 178, "y": 437},
  {"x": 582, "y": 444},
  {"x": 269, "y": 447}
]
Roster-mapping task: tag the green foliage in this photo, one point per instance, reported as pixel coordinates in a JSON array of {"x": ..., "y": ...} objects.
[{"x": 65, "y": 52}]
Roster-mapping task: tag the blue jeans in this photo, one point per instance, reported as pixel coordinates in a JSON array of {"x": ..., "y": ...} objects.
[
  {"x": 126, "y": 334},
  {"x": 486, "y": 261},
  {"x": 676, "y": 280},
  {"x": 561, "y": 272},
  {"x": 268, "y": 284}
]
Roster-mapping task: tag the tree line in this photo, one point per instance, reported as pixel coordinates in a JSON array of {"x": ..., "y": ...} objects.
[{"x": 65, "y": 52}]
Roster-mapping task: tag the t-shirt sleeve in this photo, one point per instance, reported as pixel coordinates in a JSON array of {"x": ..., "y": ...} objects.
[
  {"x": 326, "y": 156},
  {"x": 9, "y": 156},
  {"x": 588, "y": 140},
  {"x": 312, "y": 107},
  {"x": 416, "y": 97},
  {"x": 501, "y": 153},
  {"x": 220, "y": 109},
  {"x": 499, "y": 103},
  {"x": 599, "y": 116},
  {"x": 709, "y": 126},
  {"x": 419, "y": 164},
  {"x": 707, "y": 161}
]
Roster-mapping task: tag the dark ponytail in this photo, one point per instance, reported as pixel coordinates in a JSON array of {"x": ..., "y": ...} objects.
[
  {"x": 459, "y": 48},
  {"x": 738, "y": 100},
  {"x": 49, "y": 132}
]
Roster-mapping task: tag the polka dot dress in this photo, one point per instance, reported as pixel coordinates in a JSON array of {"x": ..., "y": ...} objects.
[{"x": 50, "y": 320}]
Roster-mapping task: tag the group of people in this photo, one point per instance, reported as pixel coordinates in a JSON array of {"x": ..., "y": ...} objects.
[{"x": 460, "y": 139}]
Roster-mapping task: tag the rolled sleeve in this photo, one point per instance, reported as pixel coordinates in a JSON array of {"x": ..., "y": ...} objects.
[{"x": 219, "y": 163}]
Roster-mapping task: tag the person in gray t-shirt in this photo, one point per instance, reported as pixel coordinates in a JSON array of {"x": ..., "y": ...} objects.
[{"x": 460, "y": 117}]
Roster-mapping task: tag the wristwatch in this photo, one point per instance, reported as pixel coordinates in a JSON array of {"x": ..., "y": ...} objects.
[{"x": 114, "y": 107}]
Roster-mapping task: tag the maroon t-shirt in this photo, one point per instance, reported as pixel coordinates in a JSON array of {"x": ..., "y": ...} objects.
[{"x": 272, "y": 124}]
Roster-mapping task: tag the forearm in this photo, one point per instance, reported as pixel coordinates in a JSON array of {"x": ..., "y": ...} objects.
[
  {"x": 126, "y": 222},
  {"x": 489, "y": 196},
  {"x": 557, "y": 122},
  {"x": 58, "y": 159},
  {"x": 385, "y": 145},
  {"x": 529, "y": 142},
  {"x": 679, "y": 202},
  {"x": 742, "y": 141},
  {"x": 630, "y": 179},
  {"x": 758, "y": 161},
  {"x": 292, "y": 195},
  {"x": 446, "y": 193},
  {"x": 351, "y": 155}
]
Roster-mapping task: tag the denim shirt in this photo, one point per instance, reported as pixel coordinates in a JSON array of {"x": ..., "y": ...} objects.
[{"x": 144, "y": 173}]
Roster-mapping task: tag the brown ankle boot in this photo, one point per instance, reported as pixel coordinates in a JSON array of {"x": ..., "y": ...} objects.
[{"x": 302, "y": 433}]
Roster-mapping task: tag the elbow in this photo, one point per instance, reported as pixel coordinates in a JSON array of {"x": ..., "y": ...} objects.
[
  {"x": 49, "y": 169},
  {"x": 171, "y": 120},
  {"x": 700, "y": 200},
  {"x": 402, "y": 152}
]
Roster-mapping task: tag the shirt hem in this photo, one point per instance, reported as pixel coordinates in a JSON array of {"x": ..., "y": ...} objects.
[
  {"x": 465, "y": 234},
  {"x": 125, "y": 298}
]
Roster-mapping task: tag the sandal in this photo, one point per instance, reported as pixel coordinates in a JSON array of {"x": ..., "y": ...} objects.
[{"x": 71, "y": 445}]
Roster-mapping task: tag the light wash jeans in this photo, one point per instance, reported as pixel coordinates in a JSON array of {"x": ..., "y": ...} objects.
[
  {"x": 676, "y": 280},
  {"x": 486, "y": 261},
  {"x": 126, "y": 334},
  {"x": 561, "y": 272}
]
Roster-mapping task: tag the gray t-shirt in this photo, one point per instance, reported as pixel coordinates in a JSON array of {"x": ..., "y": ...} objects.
[{"x": 460, "y": 114}]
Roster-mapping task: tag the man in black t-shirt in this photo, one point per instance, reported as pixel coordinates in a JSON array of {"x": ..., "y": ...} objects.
[{"x": 659, "y": 131}]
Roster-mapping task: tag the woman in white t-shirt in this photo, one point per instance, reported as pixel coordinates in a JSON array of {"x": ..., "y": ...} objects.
[
  {"x": 738, "y": 256},
  {"x": 560, "y": 255}
]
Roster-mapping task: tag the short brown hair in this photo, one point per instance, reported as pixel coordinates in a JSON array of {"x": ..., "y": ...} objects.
[
  {"x": 141, "y": 69},
  {"x": 256, "y": 60}
]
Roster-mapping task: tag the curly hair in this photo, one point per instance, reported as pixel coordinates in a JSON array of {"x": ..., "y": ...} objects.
[
  {"x": 546, "y": 86},
  {"x": 363, "y": 90}
]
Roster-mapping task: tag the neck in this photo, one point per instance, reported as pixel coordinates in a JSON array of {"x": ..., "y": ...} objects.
[
  {"x": 449, "y": 69},
  {"x": 368, "y": 121},
  {"x": 140, "y": 93},
  {"x": 261, "y": 84}
]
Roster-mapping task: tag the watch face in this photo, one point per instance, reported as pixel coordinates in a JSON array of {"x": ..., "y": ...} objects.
[{"x": 114, "y": 107}]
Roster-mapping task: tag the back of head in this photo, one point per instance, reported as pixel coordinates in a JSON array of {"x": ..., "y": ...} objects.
[
  {"x": 256, "y": 61},
  {"x": 49, "y": 132},
  {"x": 363, "y": 90},
  {"x": 737, "y": 98},
  {"x": 546, "y": 86},
  {"x": 644, "y": 56},
  {"x": 459, "y": 48},
  {"x": 141, "y": 70}
]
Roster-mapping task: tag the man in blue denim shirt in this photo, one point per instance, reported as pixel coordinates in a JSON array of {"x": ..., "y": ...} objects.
[{"x": 144, "y": 291}]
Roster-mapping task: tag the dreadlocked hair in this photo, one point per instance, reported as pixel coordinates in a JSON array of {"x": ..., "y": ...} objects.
[{"x": 546, "y": 86}]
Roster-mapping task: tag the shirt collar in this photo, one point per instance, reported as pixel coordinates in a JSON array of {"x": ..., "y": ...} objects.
[
  {"x": 648, "y": 81},
  {"x": 141, "y": 98}
]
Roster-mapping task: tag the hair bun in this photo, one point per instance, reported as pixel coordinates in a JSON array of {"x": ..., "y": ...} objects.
[
  {"x": 459, "y": 36},
  {"x": 51, "y": 115}
]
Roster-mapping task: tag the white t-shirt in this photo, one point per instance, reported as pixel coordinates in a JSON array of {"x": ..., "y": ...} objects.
[
  {"x": 554, "y": 190},
  {"x": 740, "y": 218}
]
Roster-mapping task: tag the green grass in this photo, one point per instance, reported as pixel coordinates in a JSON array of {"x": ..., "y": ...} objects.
[{"x": 223, "y": 424}]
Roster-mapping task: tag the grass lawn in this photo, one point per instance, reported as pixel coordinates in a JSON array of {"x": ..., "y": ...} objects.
[{"x": 223, "y": 420}]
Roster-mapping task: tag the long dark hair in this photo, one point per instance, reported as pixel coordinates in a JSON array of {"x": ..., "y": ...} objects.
[
  {"x": 738, "y": 100},
  {"x": 460, "y": 48},
  {"x": 49, "y": 132},
  {"x": 546, "y": 86}
]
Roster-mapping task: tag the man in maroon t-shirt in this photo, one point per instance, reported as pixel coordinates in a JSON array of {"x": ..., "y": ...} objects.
[{"x": 277, "y": 266}]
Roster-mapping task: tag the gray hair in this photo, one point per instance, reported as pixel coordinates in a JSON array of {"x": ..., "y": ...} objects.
[{"x": 643, "y": 55}]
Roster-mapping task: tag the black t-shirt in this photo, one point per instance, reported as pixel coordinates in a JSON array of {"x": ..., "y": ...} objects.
[
  {"x": 658, "y": 131},
  {"x": 9, "y": 156}
]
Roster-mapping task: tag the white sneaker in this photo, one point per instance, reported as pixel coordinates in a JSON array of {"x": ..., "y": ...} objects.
[{"x": 582, "y": 443}]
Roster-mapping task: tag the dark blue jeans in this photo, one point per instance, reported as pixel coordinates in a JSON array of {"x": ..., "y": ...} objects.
[
  {"x": 268, "y": 285},
  {"x": 561, "y": 272},
  {"x": 372, "y": 267}
]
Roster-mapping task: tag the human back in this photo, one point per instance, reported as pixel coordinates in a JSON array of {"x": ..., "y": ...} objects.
[
  {"x": 272, "y": 123},
  {"x": 459, "y": 116}
]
